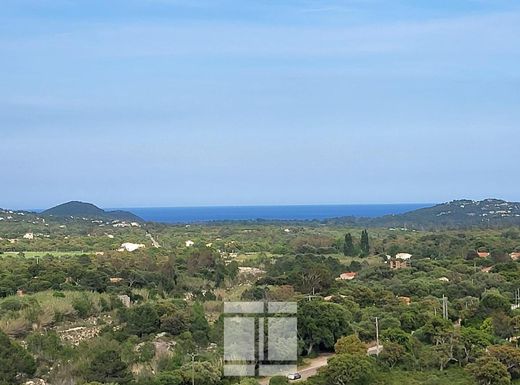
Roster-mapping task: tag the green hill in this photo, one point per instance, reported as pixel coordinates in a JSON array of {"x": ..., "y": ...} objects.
[
  {"x": 464, "y": 213},
  {"x": 88, "y": 210}
]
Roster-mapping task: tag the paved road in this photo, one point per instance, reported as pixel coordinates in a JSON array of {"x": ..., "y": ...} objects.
[{"x": 308, "y": 370}]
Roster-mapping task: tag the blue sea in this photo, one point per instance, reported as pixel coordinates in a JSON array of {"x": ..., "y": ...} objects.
[{"x": 292, "y": 212}]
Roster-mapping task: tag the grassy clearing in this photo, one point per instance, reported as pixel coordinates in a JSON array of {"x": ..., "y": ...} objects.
[{"x": 20, "y": 315}]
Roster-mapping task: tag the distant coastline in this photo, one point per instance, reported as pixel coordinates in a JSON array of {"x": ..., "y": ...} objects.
[{"x": 282, "y": 212}]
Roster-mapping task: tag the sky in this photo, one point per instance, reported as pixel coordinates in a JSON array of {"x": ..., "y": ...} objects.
[{"x": 142, "y": 103}]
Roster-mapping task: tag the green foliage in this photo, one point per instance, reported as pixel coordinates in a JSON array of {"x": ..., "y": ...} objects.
[
  {"x": 392, "y": 354},
  {"x": 320, "y": 324},
  {"x": 141, "y": 320},
  {"x": 204, "y": 373},
  {"x": 14, "y": 361},
  {"x": 107, "y": 367},
  {"x": 348, "y": 245},
  {"x": 83, "y": 306},
  {"x": 492, "y": 300},
  {"x": 175, "y": 323},
  {"x": 199, "y": 326},
  {"x": 278, "y": 380},
  {"x": 350, "y": 345},
  {"x": 489, "y": 371},
  {"x": 352, "y": 369},
  {"x": 46, "y": 346},
  {"x": 364, "y": 244},
  {"x": 509, "y": 356},
  {"x": 249, "y": 381}
]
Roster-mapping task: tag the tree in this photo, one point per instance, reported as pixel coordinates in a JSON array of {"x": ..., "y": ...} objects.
[
  {"x": 474, "y": 341},
  {"x": 500, "y": 256},
  {"x": 348, "y": 245},
  {"x": 350, "y": 345},
  {"x": 141, "y": 320},
  {"x": 170, "y": 378},
  {"x": 392, "y": 354},
  {"x": 204, "y": 372},
  {"x": 364, "y": 243},
  {"x": 508, "y": 356},
  {"x": 14, "y": 361},
  {"x": 351, "y": 369},
  {"x": 107, "y": 367},
  {"x": 322, "y": 324},
  {"x": 199, "y": 326},
  {"x": 492, "y": 300},
  {"x": 471, "y": 255},
  {"x": 488, "y": 370},
  {"x": 175, "y": 323}
]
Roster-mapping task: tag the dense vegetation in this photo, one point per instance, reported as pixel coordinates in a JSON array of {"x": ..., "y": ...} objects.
[{"x": 63, "y": 294}]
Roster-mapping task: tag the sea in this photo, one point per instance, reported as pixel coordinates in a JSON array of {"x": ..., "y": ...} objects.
[{"x": 289, "y": 212}]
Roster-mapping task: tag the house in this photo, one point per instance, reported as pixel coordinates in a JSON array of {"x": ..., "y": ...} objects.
[
  {"x": 403, "y": 256},
  {"x": 444, "y": 279},
  {"x": 28, "y": 236},
  {"x": 128, "y": 246},
  {"x": 189, "y": 243},
  {"x": 405, "y": 300},
  {"x": 486, "y": 269},
  {"x": 374, "y": 350},
  {"x": 515, "y": 256},
  {"x": 483, "y": 254},
  {"x": 396, "y": 264},
  {"x": 116, "y": 279},
  {"x": 348, "y": 276}
]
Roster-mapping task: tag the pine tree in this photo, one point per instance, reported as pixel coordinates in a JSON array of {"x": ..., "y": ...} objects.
[
  {"x": 348, "y": 245},
  {"x": 364, "y": 244}
]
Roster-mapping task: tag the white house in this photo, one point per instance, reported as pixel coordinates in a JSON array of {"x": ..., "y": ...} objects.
[
  {"x": 189, "y": 243},
  {"x": 403, "y": 256},
  {"x": 128, "y": 246}
]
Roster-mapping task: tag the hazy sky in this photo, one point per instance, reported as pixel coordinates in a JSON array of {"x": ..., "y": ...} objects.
[{"x": 188, "y": 102}]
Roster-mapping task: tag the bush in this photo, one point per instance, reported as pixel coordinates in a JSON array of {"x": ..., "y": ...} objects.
[
  {"x": 278, "y": 380},
  {"x": 83, "y": 306},
  {"x": 12, "y": 304},
  {"x": 14, "y": 361}
]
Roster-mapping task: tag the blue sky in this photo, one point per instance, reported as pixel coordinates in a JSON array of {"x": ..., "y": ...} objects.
[{"x": 213, "y": 102}]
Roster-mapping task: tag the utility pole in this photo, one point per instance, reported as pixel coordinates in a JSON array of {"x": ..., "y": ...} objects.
[
  {"x": 517, "y": 300},
  {"x": 192, "y": 368},
  {"x": 377, "y": 336}
]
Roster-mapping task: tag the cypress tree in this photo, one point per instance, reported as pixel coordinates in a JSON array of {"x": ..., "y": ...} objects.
[
  {"x": 364, "y": 244},
  {"x": 348, "y": 245}
]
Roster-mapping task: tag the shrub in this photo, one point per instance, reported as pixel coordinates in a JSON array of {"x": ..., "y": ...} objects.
[{"x": 83, "y": 306}]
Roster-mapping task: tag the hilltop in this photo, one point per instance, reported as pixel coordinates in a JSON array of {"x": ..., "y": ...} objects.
[
  {"x": 88, "y": 210},
  {"x": 463, "y": 213}
]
